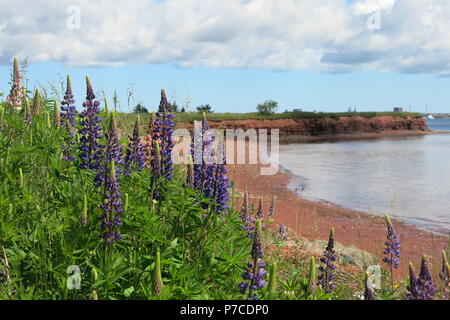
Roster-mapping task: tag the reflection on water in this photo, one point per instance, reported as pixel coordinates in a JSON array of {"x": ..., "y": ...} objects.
[{"x": 408, "y": 178}]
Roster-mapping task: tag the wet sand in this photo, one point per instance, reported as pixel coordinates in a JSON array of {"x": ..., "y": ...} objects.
[{"x": 313, "y": 220}]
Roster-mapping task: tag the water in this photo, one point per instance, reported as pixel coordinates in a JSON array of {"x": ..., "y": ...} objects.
[{"x": 408, "y": 178}]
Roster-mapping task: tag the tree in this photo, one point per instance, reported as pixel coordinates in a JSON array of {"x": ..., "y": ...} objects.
[
  {"x": 139, "y": 108},
  {"x": 205, "y": 108},
  {"x": 268, "y": 107}
]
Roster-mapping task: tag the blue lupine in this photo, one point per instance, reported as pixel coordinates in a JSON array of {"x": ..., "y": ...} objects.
[
  {"x": 68, "y": 109},
  {"x": 156, "y": 171},
  {"x": 91, "y": 149},
  {"x": 163, "y": 134},
  {"x": 135, "y": 157},
  {"x": 247, "y": 217},
  {"x": 204, "y": 139},
  {"x": 112, "y": 206},
  {"x": 255, "y": 273},
  {"x": 327, "y": 276},
  {"x": 445, "y": 275},
  {"x": 422, "y": 287},
  {"x": 69, "y": 141},
  {"x": 392, "y": 251},
  {"x": 368, "y": 294}
]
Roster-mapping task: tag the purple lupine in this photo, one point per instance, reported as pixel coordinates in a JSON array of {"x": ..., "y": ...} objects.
[
  {"x": 156, "y": 171},
  {"x": 445, "y": 276},
  {"x": 272, "y": 207},
  {"x": 68, "y": 109},
  {"x": 15, "y": 95},
  {"x": 392, "y": 251},
  {"x": 368, "y": 294},
  {"x": 255, "y": 273},
  {"x": 69, "y": 141},
  {"x": 112, "y": 207},
  {"x": 135, "y": 157},
  {"x": 203, "y": 139},
  {"x": 426, "y": 282},
  {"x": 414, "y": 292},
  {"x": 327, "y": 276},
  {"x": 247, "y": 217},
  {"x": 91, "y": 149},
  {"x": 163, "y": 134}
]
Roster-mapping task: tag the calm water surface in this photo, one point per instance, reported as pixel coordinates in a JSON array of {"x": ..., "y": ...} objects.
[{"x": 408, "y": 178}]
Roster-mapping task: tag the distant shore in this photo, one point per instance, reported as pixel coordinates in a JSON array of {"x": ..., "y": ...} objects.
[{"x": 313, "y": 220}]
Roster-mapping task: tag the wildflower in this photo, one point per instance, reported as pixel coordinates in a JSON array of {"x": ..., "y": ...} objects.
[
  {"x": 426, "y": 282},
  {"x": 135, "y": 154},
  {"x": 68, "y": 109},
  {"x": 84, "y": 212},
  {"x": 156, "y": 171},
  {"x": 312, "y": 284},
  {"x": 157, "y": 278},
  {"x": 91, "y": 149},
  {"x": 392, "y": 250},
  {"x": 69, "y": 141},
  {"x": 28, "y": 115},
  {"x": 163, "y": 133},
  {"x": 36, "y": 102},
  {"x": 112, "y": 207},
  {"x": 282, "y": 232},
  {"x": 113, "y": 150},
  {"x": 368, "y": 294},
  {"x": 203, "y": 137},
  {"x": 327, "y": 268},
  {"x": 254, "y": 273},
  {"x": 246, "y": 216},
  {"x": 148, "y": 142},
  {"x": 15, "y": 95},
  {"x": 272, "y": 278},
  {"x": 422, "y": 287},
  {"x": 445, "y": 274},
  {"x": 272, "y": 207}
]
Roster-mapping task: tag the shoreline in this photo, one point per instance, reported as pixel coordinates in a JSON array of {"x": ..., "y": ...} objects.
[{"x": 313, "y": 220}]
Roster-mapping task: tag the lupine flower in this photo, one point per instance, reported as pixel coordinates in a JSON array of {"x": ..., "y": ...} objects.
[
  {"x": 392, "y": 251},
  {"x": 84, "y": 212},
  {"x": 445, "y": 274},
  {"x": 368, "y": 294},
  {"x": 163, "y": 133},
  {"x": 426, "y": 282},
  {"x": 260, "y": 212},
  {"x": 414, "y": 292},
  {"x": 91, "y": 149},
  {"x": 68, "y": 109},
  {"x": 220, "y": 186},
  {"x": 36, "y": 102},
  {"x": 200, "y": 165},
  {"x": 422, "y": 287},
  {"x": 56, "y": 116},
  {"x": 15, "y": 95},
  {"x": 156, "y": 170},
  {"x": 112, "y": 207},
  {"x": 272, "y": 278},
  {"x": 254, "y": 273},
  {"x": 69, "y": 141},
  {"x": 157, "y": 278},
  {"x": 247, "y": 217},
  {"x": 148, "y": 142},
  {"x": 272, "y": 207},
  {"x": 327, "y": 276},
  {"x": 312, "y": 284},
  {"x": 134, "y": 158}
]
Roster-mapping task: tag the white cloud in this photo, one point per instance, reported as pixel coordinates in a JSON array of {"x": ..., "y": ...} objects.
[{"x": 321, "y": 35}]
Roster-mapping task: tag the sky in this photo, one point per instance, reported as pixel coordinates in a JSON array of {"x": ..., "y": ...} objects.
[{"x": 324, "y": 55}]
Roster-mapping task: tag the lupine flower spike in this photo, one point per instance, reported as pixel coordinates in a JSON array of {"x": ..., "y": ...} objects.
[
  {"x": 14, "y": 98},
  {"x": 135, "y": 158},
  {"x": 69, "y": 141},
  {"x": 272, "y": 278},
  {"x": 28, "y": 115},
  {"x": 445, "y": 275},
  {"x": 272, "y": 207},
  {"x": 36, "y": 102},
  {"x": 190, "y": 173},
  {"x": 148, "y": 142},
  {"x": 312, "y": 280},
  {"x": 113, "y": 150},
  {"x": 368, "y": 294},
  {"x": 157, "y": 278},
  {"x": 84, "y": 212},
  {"x": 327, "y": 276},
  {"x": 426, "y": 282},
  {"x": 414, "y": 292},
  {"x": 112, "y": 207},
  {"x": 91, "y": 133},
  {"x": 247, "y": 217},
  {"x": 392, "y": 251},
  {"x": 163, "y": 133},
  {"x": 255, "y": 272},
  {"x": 68, "y": 109},
  {"x": 56, "y": 116}
]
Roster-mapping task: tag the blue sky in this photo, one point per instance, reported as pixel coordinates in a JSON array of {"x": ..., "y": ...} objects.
[{"x": 234, "y": 54}]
